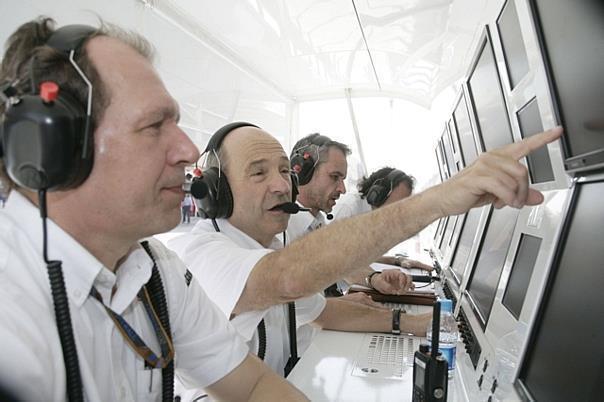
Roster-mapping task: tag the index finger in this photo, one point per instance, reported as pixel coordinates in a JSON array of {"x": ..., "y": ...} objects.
[{"x": 522, "y": 148}]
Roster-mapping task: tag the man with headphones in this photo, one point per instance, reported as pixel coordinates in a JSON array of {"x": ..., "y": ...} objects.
[
  {"x": 321, "y": 166},
  {"x": 383, "y": 187},
  {"x": 246, "y": 176},
  {"x": 83, "y": 113},
  {"x": 246, "y": 191}
]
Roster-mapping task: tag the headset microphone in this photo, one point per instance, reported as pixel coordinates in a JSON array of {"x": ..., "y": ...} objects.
[
  {"x": 290, "y": 208},
  {"x": 329, "y": 216}
]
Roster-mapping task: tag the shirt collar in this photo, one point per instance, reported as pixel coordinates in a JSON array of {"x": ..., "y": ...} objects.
[
  {"x": 235, "y": 234},
  {"x": 81, "y": 269}
]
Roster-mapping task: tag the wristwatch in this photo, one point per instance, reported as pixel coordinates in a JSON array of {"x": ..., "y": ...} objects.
[
  {"x": 396, "y": 321},
  {"x": 368, "y": 279}
]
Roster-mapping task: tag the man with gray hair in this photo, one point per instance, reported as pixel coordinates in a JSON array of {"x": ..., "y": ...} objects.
[{"x": 128, "y": 312}]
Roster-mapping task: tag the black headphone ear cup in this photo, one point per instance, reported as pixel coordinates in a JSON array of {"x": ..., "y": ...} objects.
[
  {"x": 377, "y": 194},
  {"x": 43, "y": 143},
  {"x": 218, "y": 202},
  {"x": 303, "y": 164},
  {"x": 208, "y": 205}
]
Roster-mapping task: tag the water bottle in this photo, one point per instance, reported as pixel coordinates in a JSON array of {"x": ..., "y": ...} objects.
[{"x": 449, "y": 334}]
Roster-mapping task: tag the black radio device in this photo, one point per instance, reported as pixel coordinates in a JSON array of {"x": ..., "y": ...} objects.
[{"x": 430, "y": 371}]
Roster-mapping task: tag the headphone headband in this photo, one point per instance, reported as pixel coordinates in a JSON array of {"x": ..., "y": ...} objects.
[
  {"x": 70, "y": 37},
  {"x": 219, "y": 136}
]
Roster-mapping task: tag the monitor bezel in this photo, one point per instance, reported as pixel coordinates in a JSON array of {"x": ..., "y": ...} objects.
[
  {"x": 552, "y": 270},
  {"x": 574, "y": 165},
  {"x": 484, "y": 41}
]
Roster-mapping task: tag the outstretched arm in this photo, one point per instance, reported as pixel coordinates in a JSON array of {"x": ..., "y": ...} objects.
[{"x": 313, "y": 262}]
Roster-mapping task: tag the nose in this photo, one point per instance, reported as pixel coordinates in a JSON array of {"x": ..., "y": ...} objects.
[
  {"x": 341, "y": 187},
  {"x": 280, "y": 184},
  {"x": 182, "y": 149}
]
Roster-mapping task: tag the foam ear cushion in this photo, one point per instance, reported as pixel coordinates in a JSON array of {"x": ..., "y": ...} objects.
[
  {"x": 377, "y": 194},
  {"x": 303, "y": 164},
  {"x": 218, "y": 202},
  {"x": 43, "y": 143}
]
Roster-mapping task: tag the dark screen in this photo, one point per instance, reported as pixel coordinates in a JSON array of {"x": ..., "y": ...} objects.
[
  {"x": 441, "y": 233},
  {"x": 512, "y": 43},
  {"x": 447, "y": 234},
  {"x": 565, "y": 357},
  {"x": 491, "y": 258},
  {"x": 464, "y": 132},
  {"x": 489, "y": 105},
  {"x": 529, "y": 120},
  {"x": 573, "y": 34},
  {"x": 522, "y": 269},
  {"x": 466, "y": 240}
]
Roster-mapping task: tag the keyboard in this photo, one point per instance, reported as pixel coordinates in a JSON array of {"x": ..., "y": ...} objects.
[
  {"x": 385, "y": 356},
  {"x": 407, "y": 308}
]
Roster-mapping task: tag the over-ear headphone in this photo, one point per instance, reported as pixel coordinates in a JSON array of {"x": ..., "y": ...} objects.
[
  {"x": 45, "y": 141},
  {"x": 305, "y": 158},
  {"x": 382, "y": 188},
  {"x": 217, "y": 201}
]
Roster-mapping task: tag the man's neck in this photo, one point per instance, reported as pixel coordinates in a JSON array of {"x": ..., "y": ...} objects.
[
  {"x": 264, "y": 239},
  {"x": 109, "y": 250},
  {"x": 314, "y": 211}
]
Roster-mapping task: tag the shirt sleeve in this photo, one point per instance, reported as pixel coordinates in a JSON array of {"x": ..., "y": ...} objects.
[
  {"x": 207, "y": 346},
  {"x": 222, "y": 268},
  {"x": 309, "y": 308}
]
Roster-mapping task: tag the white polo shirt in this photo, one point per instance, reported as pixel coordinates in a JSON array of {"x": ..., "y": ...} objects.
[
  {"x": 302, "y": 223},
  {"x": 222, "y": 262},
  {"x": 350, "y": 204},
  {"x": 31, "y": 363}
]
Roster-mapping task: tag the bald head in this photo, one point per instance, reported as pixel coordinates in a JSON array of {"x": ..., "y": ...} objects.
[{"x": 257, "y": 169}]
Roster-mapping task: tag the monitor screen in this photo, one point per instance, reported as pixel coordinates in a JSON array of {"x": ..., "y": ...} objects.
[
  {"x": 464, "y": 132},
  {"x": 520, "y": 276},
  {"x": 465, "y": 242},
  {"x": 441, "y": 233},
  {"x": 540, "y": 165},
  {"x": 448, "y": 149},
  {"x": 490, "y": 260},
  {"x": 564, "y": 360},
  {"x": 572, "y": 33},
  {"x": 516, "y": 60},
  {"x": 487, "y": 98},
  {"x": 447, "y": 234}
]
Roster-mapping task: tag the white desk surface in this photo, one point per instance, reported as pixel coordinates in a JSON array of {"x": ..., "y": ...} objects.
[{"x": 324, "y": 373}]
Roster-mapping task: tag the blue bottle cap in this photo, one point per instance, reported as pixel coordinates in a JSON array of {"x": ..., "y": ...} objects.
[{"x": 446, "y": 305}]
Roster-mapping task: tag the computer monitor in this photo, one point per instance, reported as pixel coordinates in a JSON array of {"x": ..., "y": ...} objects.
[
  {"x": 440, "y": 158},
  {"x": 465, "y": 242},
  {"x": 520, "y": 275},
  {"x": 487, "y": 98},
  {"x": 465, "y": 134},
  {"x": 514, "y": 51},
  {"x": 490, "y": 260},
  {"x": 448, "y": 150},
  {"x": 441, "y": 234},
  {"x": 564, "y": 359},
  {"x": 571, "y": 35},
  {"x": 540, "y": 165}
]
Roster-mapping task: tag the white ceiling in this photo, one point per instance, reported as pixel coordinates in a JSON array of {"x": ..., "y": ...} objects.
[{"x": 313, "y": 49}]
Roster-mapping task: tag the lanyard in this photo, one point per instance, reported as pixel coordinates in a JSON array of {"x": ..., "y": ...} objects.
[{"x": 134, "y": 340}]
